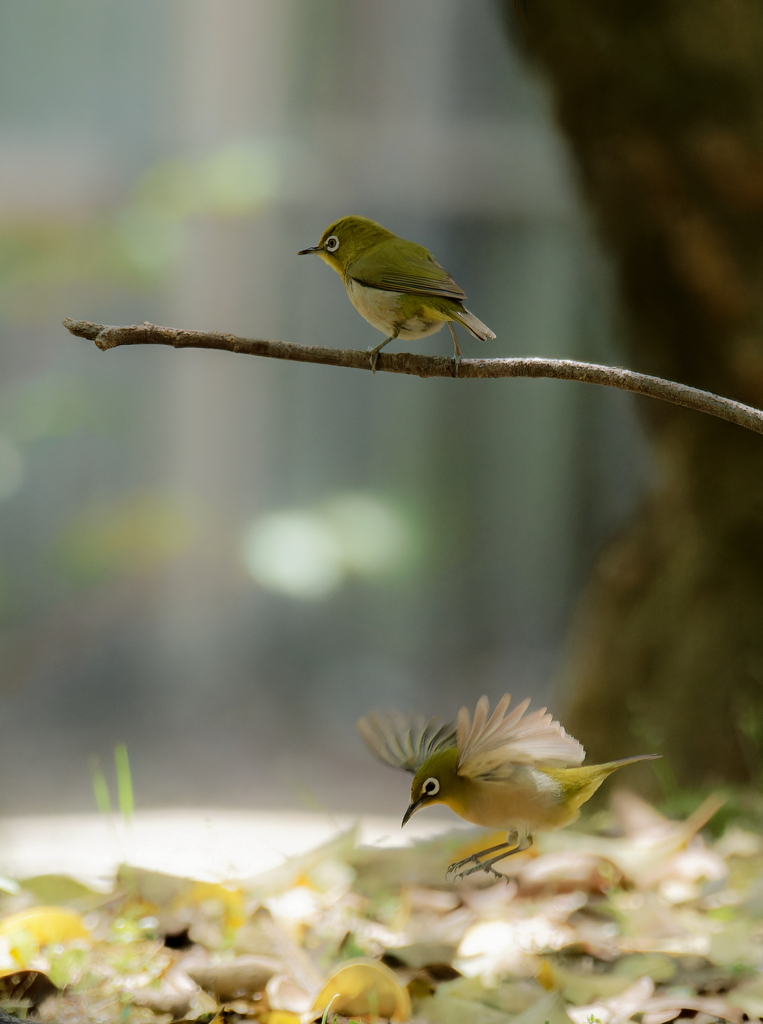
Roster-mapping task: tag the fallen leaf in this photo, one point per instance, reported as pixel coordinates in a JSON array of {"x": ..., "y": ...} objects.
[
  {"x": 284, "y": 993},
  {"x": 235, "y": 979},
  {"x": 568, "y": 871},
  {"x": 25, "y": 988},
  {"x": 28, "y": 930},
  {"x": 367, "y": 988}
]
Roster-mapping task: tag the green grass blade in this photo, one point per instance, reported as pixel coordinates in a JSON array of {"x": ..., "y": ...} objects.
[
  {"x": 100, "y": 787},
  {"x": 124, "y": 782}
]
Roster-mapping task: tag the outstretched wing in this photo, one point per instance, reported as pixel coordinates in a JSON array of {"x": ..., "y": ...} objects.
[
  {"x": 405, "y": 741},
  {"x": 399, "y": 266},
  {"x": 491, "y": 745}
]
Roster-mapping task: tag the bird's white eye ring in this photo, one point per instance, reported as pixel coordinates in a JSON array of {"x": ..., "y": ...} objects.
[
  {"x": 431, "y": 787},
  {"x": 331, "y": 244}
]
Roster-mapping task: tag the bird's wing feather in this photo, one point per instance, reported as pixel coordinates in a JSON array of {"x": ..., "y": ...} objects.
[
  {"x": 404, "y": 268},
  {"x": 405, "y": 741},
  {"x": 489, "y": 746}
]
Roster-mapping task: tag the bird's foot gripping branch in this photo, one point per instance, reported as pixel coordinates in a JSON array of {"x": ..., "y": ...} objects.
[{"x": 107, "y": 337}]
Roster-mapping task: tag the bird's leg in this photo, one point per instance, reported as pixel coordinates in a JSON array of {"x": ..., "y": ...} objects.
[
  {"x": 374, "y": 352},
  {"x": 510, "y": 847},
  {"x": 487, "y": 865},
  {"x": 457, "y": 348},
  {"x": 475, "y": 857}
]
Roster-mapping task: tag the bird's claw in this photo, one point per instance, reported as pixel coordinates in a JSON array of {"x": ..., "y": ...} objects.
[
  {"x": 477, "y": 865},
  {"x": 373, "y": 358},
  {"x": 487, "y": 867},
  {"x": 473, "y": 859}
]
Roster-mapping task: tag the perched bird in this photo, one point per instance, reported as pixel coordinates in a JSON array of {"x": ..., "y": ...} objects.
[
  {"x": 397, "y": 286},
  {"x": 503, "y": 771}
]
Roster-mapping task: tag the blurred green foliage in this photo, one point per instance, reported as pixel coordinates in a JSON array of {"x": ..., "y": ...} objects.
[
  {"x": 123, "y": 536},
  {"x": 134, "y": 244},
  {"x": 55, "y": 405}
]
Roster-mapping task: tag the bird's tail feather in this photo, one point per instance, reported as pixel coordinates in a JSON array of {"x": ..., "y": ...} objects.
[
  {"x": 612, "y": 766},
  {"x": 597, "y": 773},
  {"x": 581, "y": 783},
  {"x": 473, "y": 325}
]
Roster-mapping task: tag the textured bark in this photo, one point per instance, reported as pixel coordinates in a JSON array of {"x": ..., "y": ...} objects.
[
  {"x": 662, "y": 103},
  {"x": 107, "y": 337}
]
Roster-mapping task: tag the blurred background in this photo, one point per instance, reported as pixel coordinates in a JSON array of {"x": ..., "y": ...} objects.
[{"x": 221, "y": 561}]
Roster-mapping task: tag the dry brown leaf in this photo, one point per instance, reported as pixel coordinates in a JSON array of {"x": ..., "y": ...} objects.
[{"x": 236, "y": 979}]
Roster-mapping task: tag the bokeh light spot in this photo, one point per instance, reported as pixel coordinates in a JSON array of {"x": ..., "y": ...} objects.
[
  {"x": 374, "y": 536},
  {"x": 295, "y": 553},
  {"x": 308, "y": 553}
]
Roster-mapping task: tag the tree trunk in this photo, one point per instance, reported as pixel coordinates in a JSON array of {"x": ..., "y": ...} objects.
[{"x": 662, "y": 103}]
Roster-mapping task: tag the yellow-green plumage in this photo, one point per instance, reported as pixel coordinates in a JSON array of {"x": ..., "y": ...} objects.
[
  {"x": 506, "y": 771},
  {"x": 527, "y": 800},
  {"x": 396, "y": 285}
]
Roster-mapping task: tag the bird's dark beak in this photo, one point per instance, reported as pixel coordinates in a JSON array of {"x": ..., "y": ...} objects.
[
  {"x": 411, "y": 810},
  {"x": 305, "y": 252}
]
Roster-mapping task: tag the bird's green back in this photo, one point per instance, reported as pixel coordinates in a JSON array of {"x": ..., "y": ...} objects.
[{"x": 395, "y": 264}]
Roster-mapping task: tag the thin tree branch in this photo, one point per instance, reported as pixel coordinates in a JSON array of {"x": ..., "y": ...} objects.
[{"x": 106, "y": 337}]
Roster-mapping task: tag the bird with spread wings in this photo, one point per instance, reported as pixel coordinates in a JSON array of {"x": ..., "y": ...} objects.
[{"x": 511, "y": 770}]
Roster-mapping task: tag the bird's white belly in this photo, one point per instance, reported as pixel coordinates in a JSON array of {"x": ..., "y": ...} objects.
[
  {"x": 382, "y": 310},
  {"x": 526, "y": 801}
]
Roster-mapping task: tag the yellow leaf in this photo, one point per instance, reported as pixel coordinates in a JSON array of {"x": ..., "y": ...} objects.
[
  {"x": 46, "y": 924},
  {"x": 28, "y": 930},
  {"x": 365, "y": 988},
  {"x": 546, "y": 976},
  {"x": 231, "y": 899}
]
